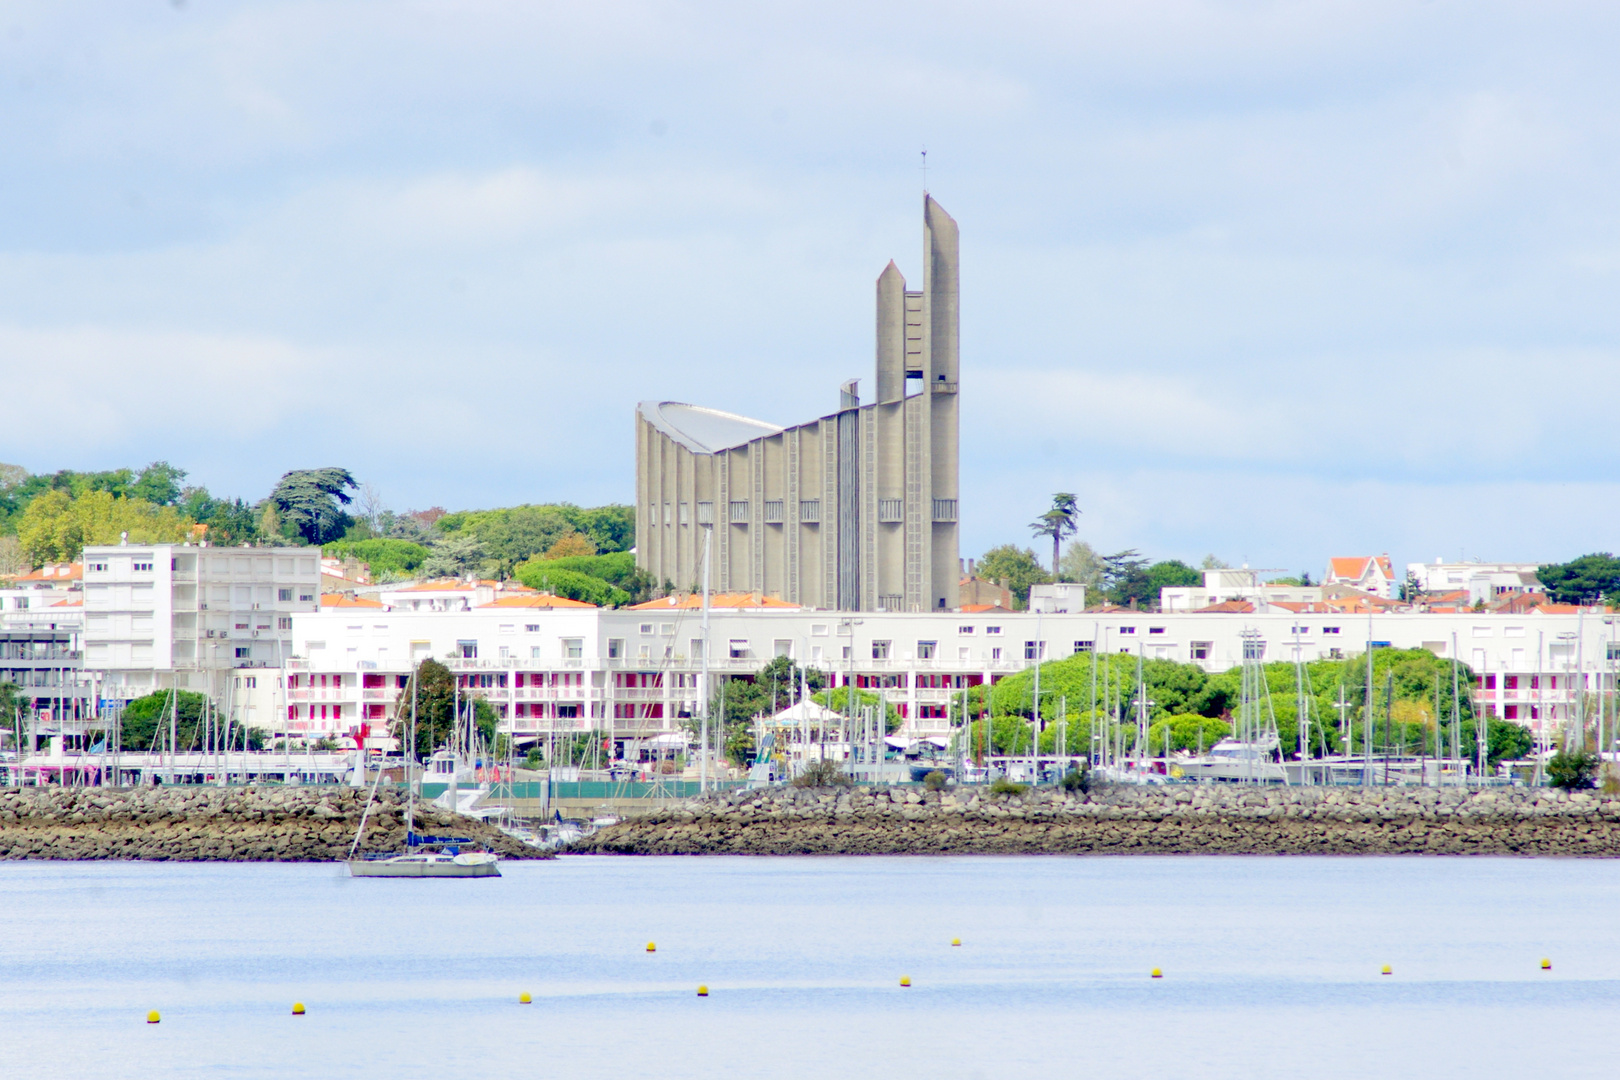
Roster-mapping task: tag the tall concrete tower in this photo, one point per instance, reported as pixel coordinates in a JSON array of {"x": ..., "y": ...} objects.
[{"x": 856, "y": 510}]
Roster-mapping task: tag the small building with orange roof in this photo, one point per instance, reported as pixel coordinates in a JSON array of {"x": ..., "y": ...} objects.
[
  {"x": 728, "y": 601},
  {"x": 1373, "y": 574}
]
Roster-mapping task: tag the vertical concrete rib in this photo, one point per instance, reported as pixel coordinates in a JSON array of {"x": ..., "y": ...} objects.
[{"x": 891, "y": 335}]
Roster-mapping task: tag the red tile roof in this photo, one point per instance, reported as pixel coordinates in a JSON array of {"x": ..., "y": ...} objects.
[
  {"x": 343, "y": 600},
  {"x": 537, "y": 600}
]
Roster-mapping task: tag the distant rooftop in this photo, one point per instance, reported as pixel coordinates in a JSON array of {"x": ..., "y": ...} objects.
[{"x": 700, "y": 430}]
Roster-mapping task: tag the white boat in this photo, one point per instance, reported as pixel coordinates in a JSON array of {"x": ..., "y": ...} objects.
[
  {"x": 1233, "y": 760},
  {"x": 428, "y": 864}
]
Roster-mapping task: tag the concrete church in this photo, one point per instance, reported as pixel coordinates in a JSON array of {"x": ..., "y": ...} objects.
[{"x": 856, "y": 510}]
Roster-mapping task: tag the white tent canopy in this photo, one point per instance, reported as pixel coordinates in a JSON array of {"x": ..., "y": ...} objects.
[{"x": 806, "y": 711}]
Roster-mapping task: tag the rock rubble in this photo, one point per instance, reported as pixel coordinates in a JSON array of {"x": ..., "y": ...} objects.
[
  {"x": 209, "y": 824},
  {"x": 1118, "y": 819}
]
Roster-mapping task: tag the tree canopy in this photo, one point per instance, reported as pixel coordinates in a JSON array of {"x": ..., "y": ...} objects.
[
  {"x": 433, "y": 688},
  {"x": 1583, "y": 580},
  {"x": 309, "y": 504},
  {"x": 57, "y": 525},
  {"x": 1014, "y": 568}
]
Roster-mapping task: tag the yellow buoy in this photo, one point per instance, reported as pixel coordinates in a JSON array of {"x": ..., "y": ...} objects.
[
  {"x": 1157, "y": 974},
  {"x": 1385, "y": 971},
  {"x": 298, "y": 1008},
  {"x": 905, "y": 980},
  {"x": 703, "y": 991},
  {"x": 652, "y": 947},
  {"x": 153, "y": 1017},
  {"x": 956, "y": 941},
  {"x": 524, "y": 998},
  {"x": 1546, "y": 964}
]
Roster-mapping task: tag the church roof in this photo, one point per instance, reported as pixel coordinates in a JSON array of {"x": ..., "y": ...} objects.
[{"x": 701, "y": 430}]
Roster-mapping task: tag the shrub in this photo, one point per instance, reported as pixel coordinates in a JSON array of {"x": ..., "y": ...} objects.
[
  {"x": 934, "y": 781},
  {"x": 821, "y": 773},
  {"x": 1004, "y": 786},
  {"x": 1572, "y": 770},
  {"x": 1077, "y": 780}
]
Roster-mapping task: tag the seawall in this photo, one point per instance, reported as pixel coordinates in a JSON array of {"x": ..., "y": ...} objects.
[
  {"x": 1124, "y": 820},
  {"x": 208, "y": 824}
]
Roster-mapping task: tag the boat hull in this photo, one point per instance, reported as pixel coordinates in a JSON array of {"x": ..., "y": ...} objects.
[{"x": 413, "y": 866}]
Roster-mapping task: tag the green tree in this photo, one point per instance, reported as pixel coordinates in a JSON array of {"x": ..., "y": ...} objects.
[
  {"x": 837, "y": 699},
  {"x": 56, "y": 526},
  {"x": 1124, "y": 576},
  {"x": 1013, "y": 568},
  {"x": 1582, "y": 580},
  {"x": 309, "y": 504},
  {"x": 432, "y": 687},
  {"x": 145, "y": 717},
  {"x": 454, "y": 557},
  {"x": 1057, "y": 523},
  {"x": 158, "y": 484},
  {"x": 618, "y": 570},
  {"x": 1573, "y": 770},
  {"x": 1081, "y": 564},
  {"x": 548, "y": 577},
  {"x": 389, "y": 560}
]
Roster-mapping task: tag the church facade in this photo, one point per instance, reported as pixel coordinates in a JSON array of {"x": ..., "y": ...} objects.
[{"x": 856, "y": 510}]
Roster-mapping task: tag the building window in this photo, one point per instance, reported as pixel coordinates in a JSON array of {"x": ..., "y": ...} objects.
[
  {"x": 666, "y": 629},
  {"x": 1254, "y": 650},
  {"x": 284, "y": 622},
  {"x": 467, "y": 649},
  {"x": 964, "y": 629},
  {"x": 1200, "y": 649},
  {"x": 1330, "y": 629},
  {"x": 773, "y": 512},
  {"x": 1084, "y": 646},
  {"x": 818, "y": 629},
  {"x": 646, "y": 628},
  {"x": 534, "y": 652},
  {"x": 992, "y": 629},
  {"x": 880, "y": 650},
  {"x": 1335, "y": 654},
  {"x": 1155, "y": 629},
  {"x": 98, "y": 568},
  {"x": 244, "y": 652},
  {"x": 810, "y": 510},
  {"x": 1034, "y": 650},
  {"x": 1127, "y": 629},
  {"x": 925, "y": 649},
  {"x": 306, "y": 598},
  {"x": 739, "y": 649},
  {"x": 1511, "y": 682},
  {"x": 531, "y": 628},
  {"x": 615, "y": 648},
  {"x": 685, "y": 514},
  {"x": 573, "y": 648},
  {"x": 891, "y": 510},
  {"x": 284, "y": 594},
  {"x": 252, "y": 682},
  {"x": 739, "y": 511},
  {"x": 995, "y": 653},
  {"x": 783, "y": 647},
  {"x": 705, "y": 513},
  {"x": 891, "y": 602},
  {"x": 944, "y": 509}
]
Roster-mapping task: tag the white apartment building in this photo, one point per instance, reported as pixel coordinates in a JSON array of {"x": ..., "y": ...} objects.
[
  {"x": 1235, "y": 583},
  {"x": 1484, "y": 582},
  {"x": 634, "y": 673},
  {"x": 161, "y": 615}
]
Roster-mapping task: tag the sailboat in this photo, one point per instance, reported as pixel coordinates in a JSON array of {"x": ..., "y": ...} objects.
[{"x": 424, "y": 856}]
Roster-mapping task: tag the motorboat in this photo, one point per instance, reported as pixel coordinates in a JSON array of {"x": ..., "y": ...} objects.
[{"x": 1235, "y": 760}]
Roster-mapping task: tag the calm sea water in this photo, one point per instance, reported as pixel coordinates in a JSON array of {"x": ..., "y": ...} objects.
[{"x": 1270, "y": 969}]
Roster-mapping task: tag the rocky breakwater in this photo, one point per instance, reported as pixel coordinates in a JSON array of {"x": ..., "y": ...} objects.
[
  {"x": 238, "y": 824},
  {"x": 1180, "y": 820}
]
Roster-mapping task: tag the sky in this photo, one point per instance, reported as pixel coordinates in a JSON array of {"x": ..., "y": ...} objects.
[{"x": 1269, "y": 281}]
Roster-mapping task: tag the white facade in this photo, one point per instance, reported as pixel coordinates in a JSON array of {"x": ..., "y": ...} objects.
[
  {"x": 160, "y": 615},
  {"x": 1230, "y": 583},
  {"x": 1485, "y": 582},
  {"x": 636, "y": 673}
]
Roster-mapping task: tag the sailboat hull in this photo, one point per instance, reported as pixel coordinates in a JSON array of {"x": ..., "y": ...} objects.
[{"x": 468, "y": 865}]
